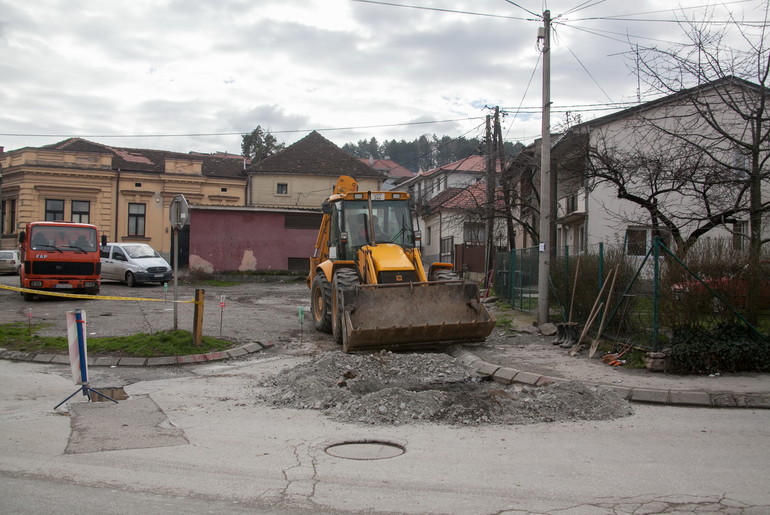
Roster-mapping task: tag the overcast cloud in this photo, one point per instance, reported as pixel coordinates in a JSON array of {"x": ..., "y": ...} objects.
[{"x": 174, "y": 69}]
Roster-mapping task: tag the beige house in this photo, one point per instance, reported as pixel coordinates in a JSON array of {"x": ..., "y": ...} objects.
[
  {"x": 302, "y": 175},
  {"x": 125, "y": 192}
]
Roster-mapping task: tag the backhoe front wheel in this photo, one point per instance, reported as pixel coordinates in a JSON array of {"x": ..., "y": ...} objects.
[
  {"x": 321, "y": 298},
  {"x": 344, "y": 278}
]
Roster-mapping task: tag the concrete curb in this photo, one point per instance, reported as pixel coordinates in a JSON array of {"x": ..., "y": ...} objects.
[
  {"x": 505, "y": 375},
  {"x": 109, "y": 361}
]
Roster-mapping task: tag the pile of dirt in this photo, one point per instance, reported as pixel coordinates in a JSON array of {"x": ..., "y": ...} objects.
[{"x": 390, "y": 389}]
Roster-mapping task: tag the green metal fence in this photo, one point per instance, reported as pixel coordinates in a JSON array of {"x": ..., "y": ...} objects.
[{"x": 637, "y": 300}]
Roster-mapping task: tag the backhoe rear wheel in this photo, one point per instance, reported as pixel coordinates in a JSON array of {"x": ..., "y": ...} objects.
[
  {"x": 321, "y": 298},
  {"x": 344, "y": 278}
]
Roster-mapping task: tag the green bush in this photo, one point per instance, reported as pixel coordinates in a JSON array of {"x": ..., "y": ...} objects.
[{"x": 725, "y": 348}]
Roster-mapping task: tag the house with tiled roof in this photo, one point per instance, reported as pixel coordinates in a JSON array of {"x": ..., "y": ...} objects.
[
  {"x": 302, "y": 175},
  {"x": 126, "y": 192},
  {"x": 454, "y": 225},
  {"x": 278, "y": 226},
  {"x": 464, "y": 172},
  {"x": 394, "y": 172}
]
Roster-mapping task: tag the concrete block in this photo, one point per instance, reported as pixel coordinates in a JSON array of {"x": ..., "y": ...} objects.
[
  {"x": 132, "y": 362},
  {"x": 623, "y": 391},
  {"x": 43, "y": 358},
  {"x": 723, "y": 400},
  {"x": 20, "y": 356},
  {"x": 544, "y": 380},
  {"x": 165, "y": 360},
  {"x": 649, "y": 395},
  {"x": 61, "y": 360},
  {"x": 758, "y": 400},
  {"x": 504, "y": 375},
  {"x": 485, "y": 369},
  {"x": 193, "y": 358},
  {"x": 690, "y": 398},
  {"x": 214, "y": 356},
  {"x": 527, "y": 378},
  {"x": 105, "y": 361},
  {"x": 238, "y": 351},
  {"x": 253, "y": 347}
]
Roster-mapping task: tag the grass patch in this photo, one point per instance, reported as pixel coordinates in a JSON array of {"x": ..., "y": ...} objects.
[{"x": 22, "y": 337}]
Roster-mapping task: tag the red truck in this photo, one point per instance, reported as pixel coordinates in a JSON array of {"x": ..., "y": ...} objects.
[{"x": 60, "y": 256}]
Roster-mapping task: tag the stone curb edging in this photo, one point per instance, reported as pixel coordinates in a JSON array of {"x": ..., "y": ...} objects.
[
  {"x": 109, "y": 361},
  {"x": 505, "y": 375}
]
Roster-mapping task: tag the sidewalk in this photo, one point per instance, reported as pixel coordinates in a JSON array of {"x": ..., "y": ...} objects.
[{"x": 532, "y": 359}]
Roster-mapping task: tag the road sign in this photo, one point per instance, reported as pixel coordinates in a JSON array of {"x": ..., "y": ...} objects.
[{"x": 179, "y": 212}]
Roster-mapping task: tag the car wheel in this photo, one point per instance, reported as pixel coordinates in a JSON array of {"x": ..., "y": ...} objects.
[{"x": 130, "y": 280}]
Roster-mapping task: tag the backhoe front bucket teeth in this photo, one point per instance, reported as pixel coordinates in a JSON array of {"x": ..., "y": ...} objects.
[{"x": 413, "y": 316}]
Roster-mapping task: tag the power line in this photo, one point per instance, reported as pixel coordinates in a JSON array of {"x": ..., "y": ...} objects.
[
  {"x": 452, "y": 11},
  {"x": 190, "y": 135}
]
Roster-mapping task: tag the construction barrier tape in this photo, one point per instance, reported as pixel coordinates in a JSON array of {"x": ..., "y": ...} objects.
[{"x": 95, "y": 297}]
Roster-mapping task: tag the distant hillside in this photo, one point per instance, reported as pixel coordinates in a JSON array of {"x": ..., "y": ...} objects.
[{"x": 423, "y": 153}]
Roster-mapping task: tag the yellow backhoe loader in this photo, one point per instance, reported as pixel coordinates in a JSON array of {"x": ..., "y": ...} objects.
[{"x": 368, "y": 284}]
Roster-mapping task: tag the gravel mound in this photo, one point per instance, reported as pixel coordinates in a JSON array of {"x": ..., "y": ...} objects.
[{"x": 392, "y": 389}]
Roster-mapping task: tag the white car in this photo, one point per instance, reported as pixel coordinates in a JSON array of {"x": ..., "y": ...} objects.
[
  {"x": 10, "y": 262},
  {"x": 134, "y": 263}
]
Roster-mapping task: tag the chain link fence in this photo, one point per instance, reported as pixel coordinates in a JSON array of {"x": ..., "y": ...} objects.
[{"x": 641, "y": 300}]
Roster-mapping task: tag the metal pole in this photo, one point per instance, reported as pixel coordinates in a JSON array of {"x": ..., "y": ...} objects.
[
  {"x": 544, "y": 268},
  {"x": 176, "y": 273}
]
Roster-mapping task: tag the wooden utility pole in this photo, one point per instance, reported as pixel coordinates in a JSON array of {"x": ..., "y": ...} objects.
[
  {"x": 544, "y": 264},
  {"x": 487, "y": 211},
  {"x": 491, "y": 187}
]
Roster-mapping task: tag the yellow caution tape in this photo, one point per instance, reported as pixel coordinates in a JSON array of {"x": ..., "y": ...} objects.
[{"x": 95, "y": 297}]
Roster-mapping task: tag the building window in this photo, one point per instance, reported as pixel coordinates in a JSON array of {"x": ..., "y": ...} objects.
[
  {"x": 136, "y": 218},
  {"x": 281, "y": 188},
  {"x": 741, "y": 235},
  {"x": 447, "y": 249},
  {"x": 8, "y": 216},
  {"x": 636, "y": 241},
  {"x": 639, "y": 240},
  {"x": 428, "y": 235},
  {"x": 474, "y": 233},
  {"x": 54, "y": 210},
  {"x": 81, "y": 211}
]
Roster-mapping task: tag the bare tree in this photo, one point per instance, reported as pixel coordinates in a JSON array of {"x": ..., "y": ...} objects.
[{"x": 730, "y": 124}]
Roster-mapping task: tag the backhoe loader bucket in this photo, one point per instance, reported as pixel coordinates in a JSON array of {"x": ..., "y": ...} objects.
[{"x": 413, "y": 316}]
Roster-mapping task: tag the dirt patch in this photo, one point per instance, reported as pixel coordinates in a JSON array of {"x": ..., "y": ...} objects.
[{"x": 391, "y": 389}]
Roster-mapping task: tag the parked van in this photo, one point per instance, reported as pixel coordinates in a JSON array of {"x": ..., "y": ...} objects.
[{"x": 134, "y": 263}]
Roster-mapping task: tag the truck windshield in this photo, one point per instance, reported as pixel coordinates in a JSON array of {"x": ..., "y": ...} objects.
[
  {"x": 47, "y": 237},
  {"x": 391, "y": 219}
]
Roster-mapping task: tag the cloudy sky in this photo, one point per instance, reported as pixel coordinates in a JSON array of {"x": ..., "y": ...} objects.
[{"x": 193, "y": 75}]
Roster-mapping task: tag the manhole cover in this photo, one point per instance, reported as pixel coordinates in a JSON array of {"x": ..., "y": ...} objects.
[{"x": 366, "y": 450}]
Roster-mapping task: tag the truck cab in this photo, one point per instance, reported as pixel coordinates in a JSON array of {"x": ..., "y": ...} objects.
[{"x": 59, "y": 256}]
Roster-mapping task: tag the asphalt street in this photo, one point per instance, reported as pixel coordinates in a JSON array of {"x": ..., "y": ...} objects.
[{"x": 195, "y": 438}]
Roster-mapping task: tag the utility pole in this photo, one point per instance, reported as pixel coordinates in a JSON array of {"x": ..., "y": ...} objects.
[
  {"x": 544, "y": 263},
  {"x": 490, "y": 213}
]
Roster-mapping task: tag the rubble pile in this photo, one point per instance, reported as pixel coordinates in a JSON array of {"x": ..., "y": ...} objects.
[{"x": 399, "y": 388}]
